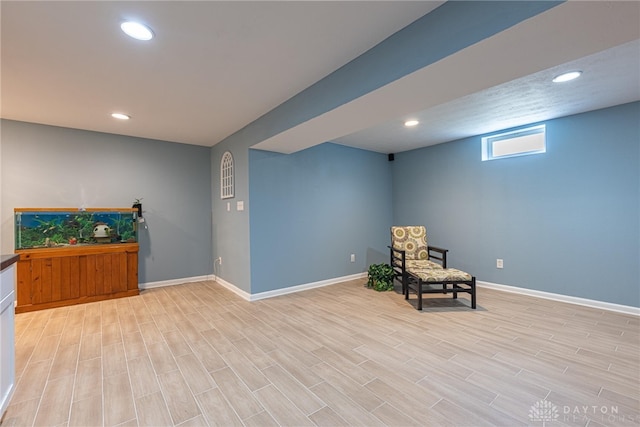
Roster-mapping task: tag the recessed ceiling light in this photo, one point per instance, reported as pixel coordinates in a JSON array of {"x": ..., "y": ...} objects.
[
  {"x": 410, "y": 123},
  {"x": 137, "y": 30},
  {"x": 120, "y": 116},
  {"x": 567, "y": 77}
]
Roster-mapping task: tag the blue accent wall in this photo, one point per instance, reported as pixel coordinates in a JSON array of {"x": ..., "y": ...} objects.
[
  {"x": 451, "y": 27},
  {"x": 566, "y": 222},
  {"x": 230, "y": 228},
  {"x": 311, "y": 210}
]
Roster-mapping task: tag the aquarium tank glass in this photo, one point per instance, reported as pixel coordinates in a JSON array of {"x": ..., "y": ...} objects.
[{"x": 56, "y": 228}]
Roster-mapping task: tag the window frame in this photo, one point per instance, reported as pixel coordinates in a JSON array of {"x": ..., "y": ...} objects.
[{"x": 517, "y": 136}]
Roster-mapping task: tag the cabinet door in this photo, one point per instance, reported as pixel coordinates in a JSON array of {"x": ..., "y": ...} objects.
[
  {"x": 24, "y": 282},
  {"x": 40, "y": 280},
  {"x": 69, "y": 277},
  {"x": 49, "y": 280},
  {"x": 116, "y": 273},
  {"x": 132, "y": 271},
  {"x": 103, "y": 274}
]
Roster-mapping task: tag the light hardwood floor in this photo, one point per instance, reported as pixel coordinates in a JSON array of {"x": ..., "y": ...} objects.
[{"x": 197, "y": 354}]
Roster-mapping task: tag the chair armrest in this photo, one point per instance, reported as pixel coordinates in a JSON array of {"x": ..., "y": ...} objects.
[
  {"x": 397, "y": 260},
  {"x": 401, "y": 252},
  {"x": 441, "y": 256},
  {"x": 398, "y": 255}
]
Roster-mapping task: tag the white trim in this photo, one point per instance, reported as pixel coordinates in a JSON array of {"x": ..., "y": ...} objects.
[
  {"x": 172, "y": 282},
  {"x": 306, "y": 286},
  {"x": 634, "y": 311},
  {"x": 233, "y": 288},
  {"x": 277, "y": 292},
  {"x": 626, "y": 309},
  {"x": 520, "y": 142},
  {"x": 226, "y": 175}
]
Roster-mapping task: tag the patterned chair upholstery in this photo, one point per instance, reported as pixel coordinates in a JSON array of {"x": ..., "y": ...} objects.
[
  {"x": 420, "y": 281},
  {"x": 412, "y": 241},
  {"x": 409, "y": 250},
  {"x": 416, "y": 265}
]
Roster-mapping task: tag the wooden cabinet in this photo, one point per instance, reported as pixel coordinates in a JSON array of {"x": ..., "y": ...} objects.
[{"x": 65, "y": 276}]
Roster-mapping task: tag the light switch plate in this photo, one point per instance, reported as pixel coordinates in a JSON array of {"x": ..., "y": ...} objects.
[{"x": 240, "y": 205}]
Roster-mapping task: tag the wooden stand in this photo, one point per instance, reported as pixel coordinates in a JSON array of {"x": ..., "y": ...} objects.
[{"x": 58, "y": 277}]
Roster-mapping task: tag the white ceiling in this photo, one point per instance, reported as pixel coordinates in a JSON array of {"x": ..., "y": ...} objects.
[
  {"x": 610, "y": 77},
  {"x": 500, "y": 82},
  {"x": 214, "y": 67}
]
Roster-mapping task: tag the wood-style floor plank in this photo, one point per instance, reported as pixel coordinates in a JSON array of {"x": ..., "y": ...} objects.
[{"x": 198, "y": 355}]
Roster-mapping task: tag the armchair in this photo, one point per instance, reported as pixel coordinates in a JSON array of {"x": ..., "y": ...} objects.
[
  {"x": 419, "y": 266},
  {"x": 409, "y": 251}
]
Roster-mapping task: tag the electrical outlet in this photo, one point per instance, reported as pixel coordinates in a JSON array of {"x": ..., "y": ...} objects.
[
  {"x": 353, "y": 257},
  {"x": 219, "y": 260},
  {"x": 499, "y": 263}
]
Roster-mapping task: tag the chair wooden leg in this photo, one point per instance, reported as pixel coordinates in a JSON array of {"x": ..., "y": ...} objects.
[
  {"x": 405, "y": 287},
  {"x": 419, "y": 294},
  {"x": 404, "y": 284},
  {"x": 473, "y": 292}
]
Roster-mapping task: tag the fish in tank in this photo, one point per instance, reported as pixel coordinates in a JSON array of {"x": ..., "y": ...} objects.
[{"x": 52, "y": 228}]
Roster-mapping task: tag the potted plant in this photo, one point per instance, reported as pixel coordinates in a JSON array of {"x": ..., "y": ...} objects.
[{"x": 380, "y": 277}]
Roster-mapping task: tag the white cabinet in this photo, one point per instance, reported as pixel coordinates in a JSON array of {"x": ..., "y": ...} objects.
[{"x": 7, "y": 334}]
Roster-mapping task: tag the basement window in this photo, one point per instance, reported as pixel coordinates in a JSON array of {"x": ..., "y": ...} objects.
[
  {"x": 521, "y": 142},
  {"x": 226, "y": 176}
]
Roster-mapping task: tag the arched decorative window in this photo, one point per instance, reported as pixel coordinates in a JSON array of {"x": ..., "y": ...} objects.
[{"x": 226, "y": 176}]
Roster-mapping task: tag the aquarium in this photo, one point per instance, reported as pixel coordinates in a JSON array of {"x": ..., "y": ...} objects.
[{"x": 53, "y": 228}]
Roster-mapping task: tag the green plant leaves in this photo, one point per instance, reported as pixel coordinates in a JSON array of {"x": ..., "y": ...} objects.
[{"x": 380, "y": 277}]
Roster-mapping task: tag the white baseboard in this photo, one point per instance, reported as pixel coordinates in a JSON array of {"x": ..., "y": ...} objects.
[
  {"x": 506, "y": 288},
  {"x": 233, "y": 288},
  {"x": 277, "y": 292},
  {"x": 172, "y": 282},
  {"x": 306, "y": 286},
  {"x": 626, "y": 309}
]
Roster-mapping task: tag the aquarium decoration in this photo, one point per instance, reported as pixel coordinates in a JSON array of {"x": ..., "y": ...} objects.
[{"x": 52, "y": 228}]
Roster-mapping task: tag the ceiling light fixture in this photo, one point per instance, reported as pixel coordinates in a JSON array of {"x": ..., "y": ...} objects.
[
  {"x": 410, "y": 123},
  {"x": 120, "y": 116},
  {"x": 567, "y": 77},
  {"x": 137, "y": 30}
]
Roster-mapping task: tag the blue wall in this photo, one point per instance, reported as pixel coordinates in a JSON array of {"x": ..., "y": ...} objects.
[
  {"x": 230, "y": 228},
  {"x": 312, "y": 209},
  {"x": 451, "y": 27},
  {"x": 566, "y": 222},
  {"x": 49, "y": 166}
]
